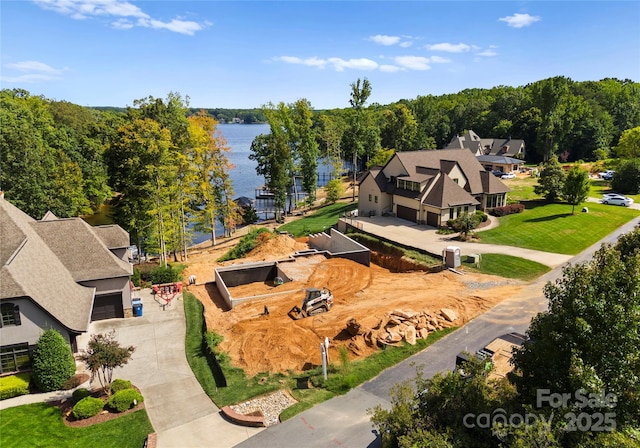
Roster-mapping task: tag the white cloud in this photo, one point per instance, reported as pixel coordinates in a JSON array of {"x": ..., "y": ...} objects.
[
  {"x": 405, "y": 44},
  {"x": 358, "y": 64},
  {"x": 413, "y": 62},
  {"x": 34, "y": 66},
  {"x": 311, "y": 62},
  {"x": 383, "y": 39},
  {"x": 487, "y": 53},
  {"x": 519, "y": 20},
  {"x": 120, "y": 9},
  {"x": 449, "y": 48},
  {"x": 439, "y": 60}
]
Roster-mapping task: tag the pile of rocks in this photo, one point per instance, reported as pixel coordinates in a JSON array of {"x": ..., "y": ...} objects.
[
  {"x": 401, "y": 325},
  {"x": 270, "y": 406}
]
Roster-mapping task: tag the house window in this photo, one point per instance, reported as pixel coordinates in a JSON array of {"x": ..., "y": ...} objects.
[
  {"x": 466, "y": 209},
  {"x": 376, "y": 199},
  {"x": 451, "y": 213},
  {"x": 369, "y": 198},
  {"x": 14, "y": 357},
  {"x": 458, "y": 211},
  {"x": 10, "y": 314},
  {"x": 455, "y": 180}
]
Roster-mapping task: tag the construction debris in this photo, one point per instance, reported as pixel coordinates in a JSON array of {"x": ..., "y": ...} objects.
[{"x": 399, "y": 325}]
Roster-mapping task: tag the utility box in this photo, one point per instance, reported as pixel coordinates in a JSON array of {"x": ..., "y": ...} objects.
[
  {"x": 452, "y": 257},
  {"x": 137, "y": 307}
]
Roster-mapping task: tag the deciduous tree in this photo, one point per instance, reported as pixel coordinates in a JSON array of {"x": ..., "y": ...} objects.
[
  {"x": 576, "y": 187},
  {"x": 103, "y": 355},
  {"x": 551, "y": 181}
]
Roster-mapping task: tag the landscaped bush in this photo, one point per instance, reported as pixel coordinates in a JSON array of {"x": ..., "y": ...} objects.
[
  {"x": 482, "y": 215},
  {"x": 117, "y": 385},
  {"x": 124, "y": 400},
  {"x": 164, "y": 274},
  {"x": 53, "y": 362},
  {"x": 136, "y": 278},
  {"x": 87, "y": 407},
  {"x": 507, "y": 210},
  {"x": 79, "y": 394},
  {"x": 14, "y": 385}
]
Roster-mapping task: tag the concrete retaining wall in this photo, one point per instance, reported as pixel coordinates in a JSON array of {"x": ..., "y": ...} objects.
[
  {"x": 243, "y": 274},
  {"x": 339, "y": 245}
]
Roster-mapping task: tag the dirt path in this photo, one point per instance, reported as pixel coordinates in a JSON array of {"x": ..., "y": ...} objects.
[{"x": 276, "y": 343}]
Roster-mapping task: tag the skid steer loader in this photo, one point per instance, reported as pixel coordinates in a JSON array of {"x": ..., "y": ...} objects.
[{"x": 316, "y": 301}]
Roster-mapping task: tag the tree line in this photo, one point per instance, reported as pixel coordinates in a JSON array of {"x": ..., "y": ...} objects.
[{"x": 69, "y": 159}]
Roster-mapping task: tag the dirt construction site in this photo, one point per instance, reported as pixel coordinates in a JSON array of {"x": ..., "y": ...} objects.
[{"x": 373, "y": 306}]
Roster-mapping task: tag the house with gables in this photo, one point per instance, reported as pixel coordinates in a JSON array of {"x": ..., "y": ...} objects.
[
  {"x": 503, "y": 147},
  {"x": 429, "y": 187},
  {"x": 60, "y": 274}
]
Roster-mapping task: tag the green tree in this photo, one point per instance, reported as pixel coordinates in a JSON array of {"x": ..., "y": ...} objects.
[
  {"x": 381, "y": 157},
  {"x": 466, "y": 223},
  {"x": 102, "y": 355},
  {"x": 626, "y": 180},
  {"x": 576, "y": 187},
  {"x": 360, "y": 92},
  {"x": 551, "y": 181},
  {"x": 208, "y": 151},
  {"x": 629, "y": 144},
  {"x": 589, "y": 338},
  {"x": 53, "y": 362},
  {"x": 306, "y": 149},
  {"x": 273, "y": 156},
  {"x": 332, "y": 129},
  {"x": 335, "y": 190}
]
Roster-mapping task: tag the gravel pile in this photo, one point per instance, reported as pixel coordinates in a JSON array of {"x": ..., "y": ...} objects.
[{"x": 270, "y": 405}]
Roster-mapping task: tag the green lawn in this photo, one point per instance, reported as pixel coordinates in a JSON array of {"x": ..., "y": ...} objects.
[
  {"x": 510, "y": 267},
  {"x": 318, "y": 221},
  {"x": 552, "y": 228},
  {"x": 41, "y": 425},
  {"x": 522, "y": 188}
]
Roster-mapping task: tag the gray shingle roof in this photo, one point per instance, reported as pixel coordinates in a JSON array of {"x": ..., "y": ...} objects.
[
  {"x": 33, "y": 270},
  {"x": 491, "y": 184},
  {"x": 499, "y": 159},
  {"x": 477, "y": 145},
  {"x": 446, "y": 193},
  {"x": 81, "y": 250},
  {"x": 114, "y": 237}
]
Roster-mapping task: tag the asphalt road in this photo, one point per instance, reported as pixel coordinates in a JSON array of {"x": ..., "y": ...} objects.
[{"x": 343, "y": 421}]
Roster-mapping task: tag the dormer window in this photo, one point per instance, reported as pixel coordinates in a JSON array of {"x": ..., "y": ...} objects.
[{"x": 10, "y": 315}]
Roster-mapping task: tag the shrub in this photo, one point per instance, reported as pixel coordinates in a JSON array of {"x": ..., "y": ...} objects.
[
  {"x": 79, "y": 394},
  {"x": 335, "y": 190},
  {"x": 136, "y": 278},
  {"x": 627, "y": 177},
  {"x": 164, "y": 274},
  {"x": 482, "y": 215},
  {"x": 123, "y": 400},
  {"x": 14, "y": 385},
  {"x": 246, "y": 244},
  {"x": 53, "y": 362},
  {"x": 507, "y": 210},
  {"x": 87, "y": 407},
  {"x": 117, "y": 385}
]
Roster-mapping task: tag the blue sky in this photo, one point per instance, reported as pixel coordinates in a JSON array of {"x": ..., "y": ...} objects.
[{"x": 244, "y": 54}]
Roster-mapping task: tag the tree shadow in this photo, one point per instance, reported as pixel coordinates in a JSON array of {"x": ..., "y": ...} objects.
[{"x": 548, "y": 218}]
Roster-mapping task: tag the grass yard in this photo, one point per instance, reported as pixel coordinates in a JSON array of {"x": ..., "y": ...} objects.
[
  {"x": 41, "y": 425},
  {"x": 552, "y": 228},
  {"x": 318, "y": 221},
  {"x": 510, "y": 267},
  {"x": 600, "y": 187},
  {"x": 522, "y": 188}
]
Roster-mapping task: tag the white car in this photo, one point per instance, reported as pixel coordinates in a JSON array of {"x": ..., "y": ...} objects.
[
  {"x": 508, "y": 176},
  {"x": 616, "y": 199}
]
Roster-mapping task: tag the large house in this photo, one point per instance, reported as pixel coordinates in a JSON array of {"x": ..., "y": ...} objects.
[
  {"x": 60, "y": 274},
  {"x": 430, "y": 187},
  {"x": 505, "y": 147}
]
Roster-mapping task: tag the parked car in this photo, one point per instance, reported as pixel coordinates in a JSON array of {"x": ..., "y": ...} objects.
[
  {"x": 606, "y": 175},
  {"x": 616, "y": 199},
  {"x": 497, "y": 173},
  {"x": 508, "y": 176}
]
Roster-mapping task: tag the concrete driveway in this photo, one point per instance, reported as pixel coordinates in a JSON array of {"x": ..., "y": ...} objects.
[{"x": 180, "y": 412}]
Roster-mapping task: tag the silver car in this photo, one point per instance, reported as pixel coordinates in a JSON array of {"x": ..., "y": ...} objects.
[{"x": 616, "y": 199}]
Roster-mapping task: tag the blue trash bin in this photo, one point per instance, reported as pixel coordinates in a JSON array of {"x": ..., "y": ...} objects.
[{"x": 137, "y": 307}]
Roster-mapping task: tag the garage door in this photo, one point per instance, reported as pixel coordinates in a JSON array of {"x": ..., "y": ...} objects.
[
  {"x": 107, "y": 307},
  {"x": 432, "y": 219},
  {"x": 407, "y": 213}
]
